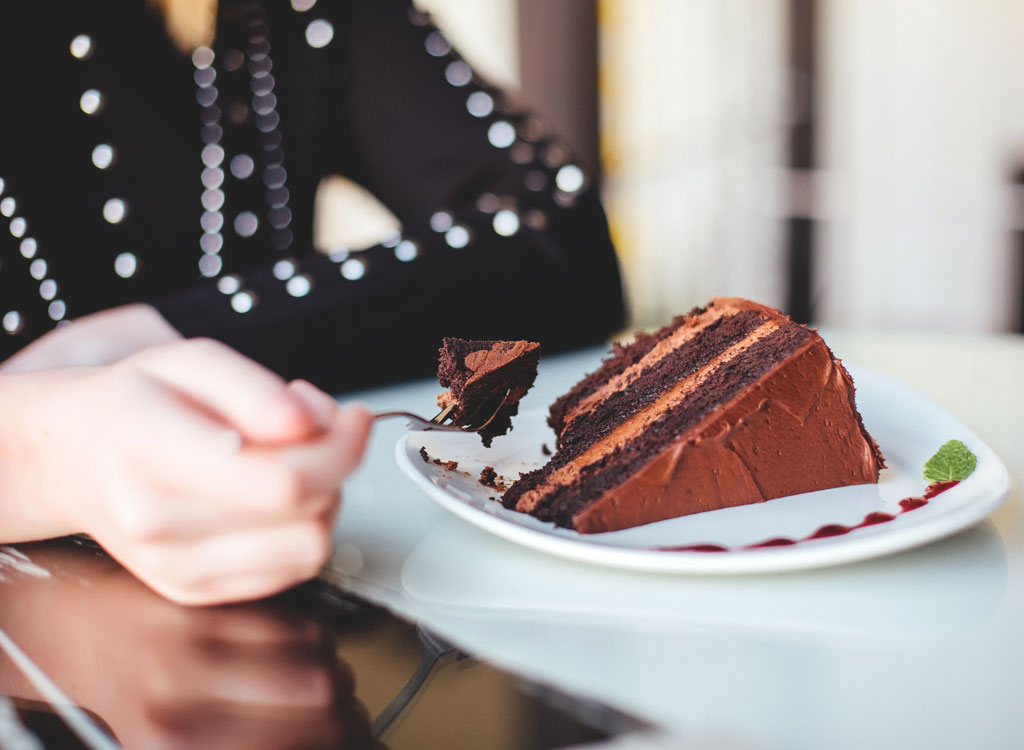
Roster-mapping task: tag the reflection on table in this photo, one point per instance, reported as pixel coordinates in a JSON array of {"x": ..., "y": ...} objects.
[{"x": 307, "y": 669}]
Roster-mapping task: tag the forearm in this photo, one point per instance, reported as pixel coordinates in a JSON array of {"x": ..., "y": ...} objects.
[
  {"x": 99, "y": 339},
  {"x": 34, "y": 488}
]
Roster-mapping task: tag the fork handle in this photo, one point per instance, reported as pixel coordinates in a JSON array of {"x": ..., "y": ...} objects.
[{"x": 420, "y": 422}]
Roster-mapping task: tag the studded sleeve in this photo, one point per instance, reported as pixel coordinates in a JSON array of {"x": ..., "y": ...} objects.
[{"x": 503, "y": 235}]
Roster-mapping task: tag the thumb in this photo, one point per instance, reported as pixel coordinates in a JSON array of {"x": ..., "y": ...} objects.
[
  {"x": 245, "y": 395},
  {"x": 321, "y": 405}
]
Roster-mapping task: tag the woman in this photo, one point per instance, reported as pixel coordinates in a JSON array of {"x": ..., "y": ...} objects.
[{"x": 175, "y": 202}]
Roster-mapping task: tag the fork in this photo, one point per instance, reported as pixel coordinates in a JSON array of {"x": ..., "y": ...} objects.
[{"x": 437, "y": 422}]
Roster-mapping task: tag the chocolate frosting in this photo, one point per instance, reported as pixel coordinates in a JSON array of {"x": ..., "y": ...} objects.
[
  {"x": 484, "y": 376},
  {"x": 483, "y": 361},
  {"x": 795, "y": 430}
]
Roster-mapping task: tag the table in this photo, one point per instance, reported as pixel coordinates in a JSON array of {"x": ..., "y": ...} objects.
[{"x": 919, "y": 649}]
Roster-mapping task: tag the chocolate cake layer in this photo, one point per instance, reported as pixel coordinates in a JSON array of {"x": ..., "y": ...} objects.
[
  {"x": 484, "y": 375},
  {"x": 794, "y": 431},
  {"x": 732, "y": 404},
  {"x": 650, "y": 383},
  {"x": 721, "y": 386},
  {"x": 624, "y": 438},
  {"x": 622, "y": 357}
]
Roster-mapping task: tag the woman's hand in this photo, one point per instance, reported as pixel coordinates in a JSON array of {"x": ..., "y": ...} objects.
[
  {"x": 98, "y": 339},
  {"x": 203, "y": 473}
]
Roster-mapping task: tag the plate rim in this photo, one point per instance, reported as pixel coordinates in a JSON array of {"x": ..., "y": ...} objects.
[{"x": 806, "y": 556}]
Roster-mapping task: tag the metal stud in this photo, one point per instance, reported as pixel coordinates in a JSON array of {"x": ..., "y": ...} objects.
[
  {"x": 243, "y": 302},
  {"x": 457, "y": 237},
  {"x": 81, "y": 47},
  {"x": 501, "y": 134},
  {"x": 210, "y": 265},
  {"x": 284, "y": 270},
  {"x": 12, "y": 322},
  {"x": 506, "y": 222},
  {"x": 441, "y": 221},
  {"x": 319, "y": 33},
  {"x": 246, "y": 224},
  {"x": 115, "y": 210},
  {"x": 125, "y": 265},
  {"x": 437, "y": 45},
  {"x": 570, "y": 178},
  {"x": 103, "y": 156},
  {"x": 458, "y": 73},
  {"x": 228, "y": 284},
  {"x": 91, "y": 101},
  {"x": 211, "y": 243},
  {"x": 479, "y": 104},
  {"x": 202, "y": 57},
  {"x": 407, "y": 250},
  {"x": 299, "y": 286},
  {"x": 353, "y": 269},
  {"x": 37, "y": 269}
]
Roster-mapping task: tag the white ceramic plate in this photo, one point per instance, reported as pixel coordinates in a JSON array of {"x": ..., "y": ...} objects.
[{"x": 908, "y": 426}]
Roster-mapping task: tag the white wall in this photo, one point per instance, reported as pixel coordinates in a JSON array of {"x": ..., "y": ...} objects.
[
  {"x": 923, "y": 123},
  {"x": 693, "y": 108}
]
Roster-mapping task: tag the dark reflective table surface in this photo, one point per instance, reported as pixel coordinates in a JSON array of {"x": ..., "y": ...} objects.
[{"x": 89, "y": 657}]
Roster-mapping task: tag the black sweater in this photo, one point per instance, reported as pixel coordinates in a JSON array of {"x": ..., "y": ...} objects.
[{"x": 131, "y": 172}]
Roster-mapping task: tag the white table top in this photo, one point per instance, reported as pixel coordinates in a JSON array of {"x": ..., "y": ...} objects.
[{"x": 919, "y": 649}]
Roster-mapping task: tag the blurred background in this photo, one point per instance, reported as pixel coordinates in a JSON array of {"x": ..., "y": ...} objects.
[{"x": 857, "y": 163}]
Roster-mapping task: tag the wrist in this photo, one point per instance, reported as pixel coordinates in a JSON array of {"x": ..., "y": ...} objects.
[{"x": 38, "y": 472}]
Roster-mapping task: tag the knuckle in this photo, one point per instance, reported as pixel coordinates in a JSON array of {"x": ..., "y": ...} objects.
[
  {"x": 202, "y": 343},
  {"x": 157, "y": 356},
  {"x": 204, "y": 346},
  {"x": 315, "y": 549},
  {"x": 140, "y": 524},
  {"x": 287, "y": 489}
]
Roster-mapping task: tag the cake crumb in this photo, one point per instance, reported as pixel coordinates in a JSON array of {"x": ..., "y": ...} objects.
[
  {"x": 450, "y": 465},
  {"x": 424, "y": 455},
  {"x": 489, "y": 478},
  {"x": 544, "y": 449}
]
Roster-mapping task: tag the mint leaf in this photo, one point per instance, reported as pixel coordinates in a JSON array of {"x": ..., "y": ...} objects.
[{"x": 953, "y": 462}]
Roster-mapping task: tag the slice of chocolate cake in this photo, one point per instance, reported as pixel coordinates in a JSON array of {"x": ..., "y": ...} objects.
[
  {"x": 481, "y": 375},
  {"x": 728, "y": 405}
]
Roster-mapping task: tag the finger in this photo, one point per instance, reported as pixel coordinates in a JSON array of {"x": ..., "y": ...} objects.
[
  {"x": 194, "y": 456},
  {"x": 196, "y": 469},
  {"x": 197, "y": 485},
  {"x": 244, "y": 394},
  {"x": 177, "y": 521},
  {"x": 320, "y": 465},
  {"x": 239, "y": 566},
  {"x": 318, "y": 402}
]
